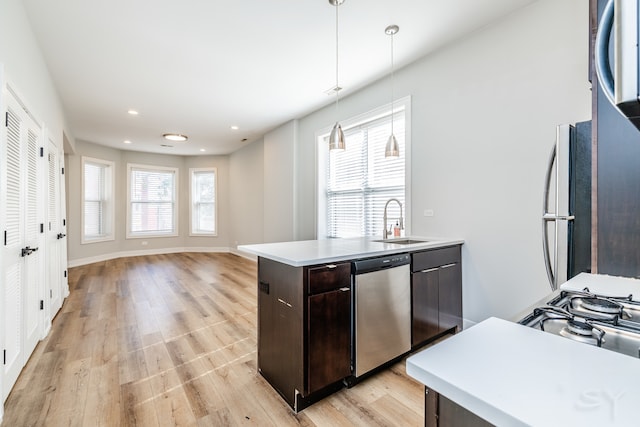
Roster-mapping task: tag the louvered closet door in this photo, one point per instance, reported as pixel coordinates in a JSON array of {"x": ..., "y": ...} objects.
[
  {"x": 22, "y": 274},
  {"x": 54, "y": 233},
  {"x": 32, "y": 278},
  {"x": 13, "y": 265},
  {"x": 64, "y": 283}
]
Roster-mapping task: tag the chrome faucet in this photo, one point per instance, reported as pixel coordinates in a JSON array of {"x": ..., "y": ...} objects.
[{"x": 385, "y": 232}]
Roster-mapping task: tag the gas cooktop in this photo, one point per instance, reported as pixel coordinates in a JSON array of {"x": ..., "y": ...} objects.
[{"x": 593, "y": 315}]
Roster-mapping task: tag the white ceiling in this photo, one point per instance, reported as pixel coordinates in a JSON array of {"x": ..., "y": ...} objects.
[{"x": 200, "y": 66}]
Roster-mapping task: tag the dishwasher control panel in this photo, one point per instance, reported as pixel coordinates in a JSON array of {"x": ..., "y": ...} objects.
[{"x": 374, "y": 264}]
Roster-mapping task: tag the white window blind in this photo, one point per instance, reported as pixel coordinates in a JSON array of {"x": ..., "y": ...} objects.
[
  {"x": 97, "y": 203},
  {"x": 152, "y": 201},
  {"x": 203, "y": 201},
  {"x": 360, "y": 180}
]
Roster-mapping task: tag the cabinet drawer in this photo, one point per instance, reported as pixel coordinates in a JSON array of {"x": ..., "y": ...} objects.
[
  {"x": 328, "y": 277},
  {"x": 435, "y": 258}
]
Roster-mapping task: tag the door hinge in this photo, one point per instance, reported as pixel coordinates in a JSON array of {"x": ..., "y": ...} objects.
[
  {"x": 5, "y": 237},
  {"x": 41, "y": 304},
  {"x": 65, "y": 273},
  {"x": 6, "y": 122},
  {"x": 41, "y": 151},
  {"x": 50, "y": 293},
  {"x": 42, "y": 228},
  {"x": 62, "y": 171},
  {"x": 4, "y": 357},
  {"x": 64, "y": 222}
]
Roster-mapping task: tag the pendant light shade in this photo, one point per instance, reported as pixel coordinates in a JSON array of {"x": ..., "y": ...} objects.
[
  {"x": 336, "y": 139},
  {"x": 392, "y": 148}
]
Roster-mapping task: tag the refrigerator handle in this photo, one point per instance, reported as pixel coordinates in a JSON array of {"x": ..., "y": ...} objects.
[
  {"x": 547, "y": 217},
  {"x": 601, "y": 53}
]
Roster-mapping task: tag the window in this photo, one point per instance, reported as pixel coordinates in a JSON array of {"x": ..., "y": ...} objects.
[
  {"x": 152, "y": 201},
  {"x": 203, "y": 201},
  {"x": 356, "y": 184},
  {"x": 97, "y": 200}
]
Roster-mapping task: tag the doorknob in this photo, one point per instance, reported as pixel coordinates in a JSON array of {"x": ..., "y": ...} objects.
[
  {"x": 26, "y": 251},
  {"x": 61, "y": 235}
]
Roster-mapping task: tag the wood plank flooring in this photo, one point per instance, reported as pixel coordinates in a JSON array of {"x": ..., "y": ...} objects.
[{"x": 170, "y": 340}]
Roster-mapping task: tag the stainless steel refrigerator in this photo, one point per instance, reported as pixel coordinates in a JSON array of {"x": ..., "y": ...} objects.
[{"x": 566, "y": 216}]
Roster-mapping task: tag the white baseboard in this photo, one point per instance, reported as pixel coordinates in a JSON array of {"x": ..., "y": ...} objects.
[
  {"x": 114, "y": 255},
  {"x": 244, "y": 254}
]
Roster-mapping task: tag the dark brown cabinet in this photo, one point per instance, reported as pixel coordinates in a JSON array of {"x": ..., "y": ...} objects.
[
  {"x": 304, "y": 331},
  {"x": 329, "y": 320},
  {"x": 436, "y": 293},
  {"x": 442, "y": 412}
]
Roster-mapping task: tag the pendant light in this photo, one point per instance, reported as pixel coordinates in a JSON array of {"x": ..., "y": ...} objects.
[
  {"x": 336, "y": 139},
  {"x": 392, "y": 148}
]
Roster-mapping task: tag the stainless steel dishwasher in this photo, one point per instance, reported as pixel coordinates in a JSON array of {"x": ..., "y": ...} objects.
[{"x": 381, "y": 311}]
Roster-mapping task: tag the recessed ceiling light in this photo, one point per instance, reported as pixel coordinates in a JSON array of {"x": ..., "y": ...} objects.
[
  {"x": 234, "y": 127},
  {"x": 203, "y": 150},
  {"x": 133, "y": 112},
  {"x": 126, "y": 141},
  {"x": 175, "y": 137}
]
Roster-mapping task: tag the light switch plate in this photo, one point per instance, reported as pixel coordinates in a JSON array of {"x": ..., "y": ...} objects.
[{"x": 428, "y": 212}]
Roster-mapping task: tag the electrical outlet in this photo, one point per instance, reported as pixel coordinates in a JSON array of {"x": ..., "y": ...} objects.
[
  {"x": 428, "y": 212},
  {"x": 145, "y": 243}
]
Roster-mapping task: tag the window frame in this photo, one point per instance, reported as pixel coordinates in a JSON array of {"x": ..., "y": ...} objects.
[
  {"x": 322, "y": 153},
  {"x": 109, "y": 197},
  {"x": 175, "y": 200},
  {"x": 192, "y": 172}
]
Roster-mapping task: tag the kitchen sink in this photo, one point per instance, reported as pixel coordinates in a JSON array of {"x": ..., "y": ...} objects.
[{"x": 407, "y": 241}]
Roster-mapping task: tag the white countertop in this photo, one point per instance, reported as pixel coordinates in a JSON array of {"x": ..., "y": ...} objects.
[
  {"x": 309, "y": 252},
  {"x": 601, "y": 284},
  {"x": 513, "y": 375}
]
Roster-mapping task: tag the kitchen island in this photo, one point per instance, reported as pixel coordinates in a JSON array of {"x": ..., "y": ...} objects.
[
  {"x": 307, "y": 346},
  {"x": 505, "y": 373}
]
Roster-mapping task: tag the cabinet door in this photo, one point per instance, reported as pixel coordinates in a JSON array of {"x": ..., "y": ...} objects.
[
  {"x": 450, "y": 296},
  {"x": 424, "y": 295},
  {"x": 329, "y": 338}
]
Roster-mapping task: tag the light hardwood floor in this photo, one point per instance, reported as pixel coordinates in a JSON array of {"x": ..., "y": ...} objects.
[{"x": 170, "y": 340}]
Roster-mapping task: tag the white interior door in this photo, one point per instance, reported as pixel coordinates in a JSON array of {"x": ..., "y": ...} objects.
[
  {"x": 13, "y": 265},
  {"x": 22, "y": 261},
  {"x": 54, "y": 232},
  {"x": 62, "y": 205},
  {"x": 33, "y": 259}
]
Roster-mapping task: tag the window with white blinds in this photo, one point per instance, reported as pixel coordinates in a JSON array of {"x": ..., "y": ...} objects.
[
  {"x": 152, "y": 201},
  {"x": 203, "y": 201},
  {"x": 360, "y": 180},
  {"x": 97, "y": 200}
]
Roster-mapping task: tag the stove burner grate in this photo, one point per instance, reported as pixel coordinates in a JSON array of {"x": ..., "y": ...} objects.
[{"x": 601, "y": 305}]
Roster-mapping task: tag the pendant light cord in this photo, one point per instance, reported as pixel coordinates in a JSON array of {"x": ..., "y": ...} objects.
[
  {"x": 337, "y": 89},
  {"x": 392, "y": 80}
]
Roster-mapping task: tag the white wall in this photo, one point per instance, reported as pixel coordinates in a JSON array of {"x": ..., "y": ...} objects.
[
  {"x": 278, "y": 175},
  {"x": 121, "y": 246},
  {"x": 484, "y": 112},
  {"x": 27, "y": 72},
  {"x": 247, "y": 194}
]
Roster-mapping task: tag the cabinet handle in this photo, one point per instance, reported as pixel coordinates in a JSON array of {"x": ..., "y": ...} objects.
[
  {"x": 449, "y": 265},
  {"x": 331, "y": 266},
  {"x": 344, "y": 289},
  {"x": 430, "y": 270},
  {"x": 284, "y": 302}
]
